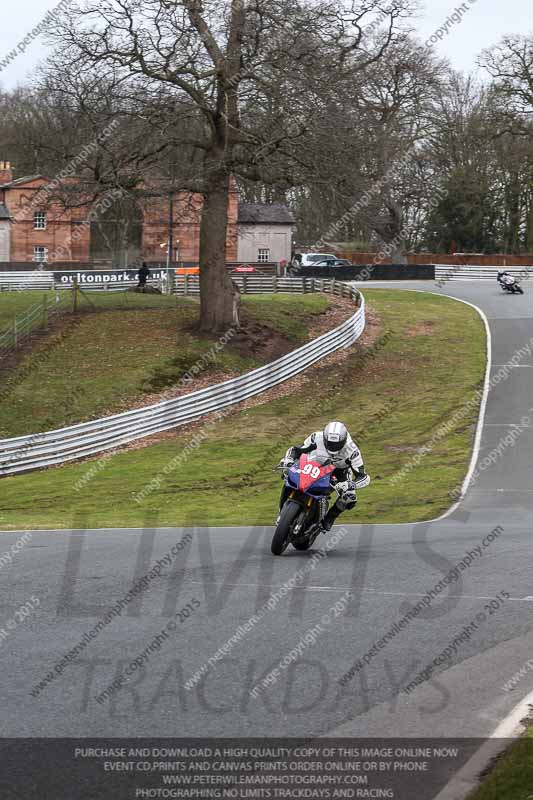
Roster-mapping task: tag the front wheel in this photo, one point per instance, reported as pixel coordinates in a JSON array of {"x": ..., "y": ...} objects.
[
  {"x": 280, "y": 540},
  {"x": 302, "y": 545}
]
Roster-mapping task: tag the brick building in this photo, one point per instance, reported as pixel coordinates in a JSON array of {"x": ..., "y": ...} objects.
[
  {"x": 186, "y": 210},
  {"x": 35, "y": 228},
  {"x": 39, "y": 229}
]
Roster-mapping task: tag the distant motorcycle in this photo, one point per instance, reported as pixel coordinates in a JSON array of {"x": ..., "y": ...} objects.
[
  {"x": 509, "y": 284},
  {"x": 311, "y": 483}
]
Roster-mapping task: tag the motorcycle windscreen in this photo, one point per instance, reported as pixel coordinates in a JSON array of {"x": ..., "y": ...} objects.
[
  {"x": 315, "y": 475},
  {"x": 293, "y": 478}
]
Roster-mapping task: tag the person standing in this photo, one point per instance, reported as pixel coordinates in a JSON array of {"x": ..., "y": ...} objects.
[{"x": 143, "y": 276}]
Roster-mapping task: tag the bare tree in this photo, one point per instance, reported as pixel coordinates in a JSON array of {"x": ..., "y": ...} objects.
[
  {"x": 510, "y": 64},
  {"x": 251, "y": 73}
]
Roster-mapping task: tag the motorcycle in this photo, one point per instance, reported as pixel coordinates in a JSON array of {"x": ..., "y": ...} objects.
[
  {"x": 513, "y": 287},
  {"x": 311, "y": 483}
]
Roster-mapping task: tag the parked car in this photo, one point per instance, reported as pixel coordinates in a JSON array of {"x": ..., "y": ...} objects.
[
  {"x": 333, "y": 262},
  {"x": 310, "y": 259}
]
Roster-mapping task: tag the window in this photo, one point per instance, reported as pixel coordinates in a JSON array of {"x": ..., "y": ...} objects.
[
  {"x": 40, "y": 254},
  {"x": 39, "y": 221},
  {"x": 263, "y": 256}
]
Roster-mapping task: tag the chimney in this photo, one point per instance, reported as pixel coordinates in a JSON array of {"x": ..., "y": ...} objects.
[{"x": 6, "y": 173}]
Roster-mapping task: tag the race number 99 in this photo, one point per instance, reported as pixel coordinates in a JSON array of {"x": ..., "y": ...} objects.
[{"x": 311, "y": 470}]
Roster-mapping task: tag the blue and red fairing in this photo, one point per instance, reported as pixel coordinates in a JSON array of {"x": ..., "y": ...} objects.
[{"x": 310, "y": 477}]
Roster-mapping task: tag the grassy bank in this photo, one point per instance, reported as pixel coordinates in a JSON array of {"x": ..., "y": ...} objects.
[
  {"x": 110, "y": 357},
  {"x": 12, "y": 304},
  {"x": 511, "y": 778},
  {"x": 393, "y": 397}
]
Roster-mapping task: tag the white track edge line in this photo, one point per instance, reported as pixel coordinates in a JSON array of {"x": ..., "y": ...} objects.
[
  {"x": 469, "y": 777},
  {"x": 482, "y": 407}
]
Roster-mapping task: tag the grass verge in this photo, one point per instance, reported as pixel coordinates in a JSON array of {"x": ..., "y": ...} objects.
[
  {"x": 428, "y": 363},
  {"x": 134, "y": 345},
  {"x": 511, "y": 777},
  {"x": 14, "y": 303}
]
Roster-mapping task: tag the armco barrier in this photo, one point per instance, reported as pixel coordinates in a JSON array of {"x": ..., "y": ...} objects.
[
  {"x": 108, "y": 279},
  {"x": 469, "y": 272},
  {"x": 255, "y": 284},
  {"x": 98, "y": 280},
  {"x": 25, "y": 453},
  {"x": 18, "y": 281}
]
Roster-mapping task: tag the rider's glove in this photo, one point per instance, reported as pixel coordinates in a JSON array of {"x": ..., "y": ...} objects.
[
  {"x": 288, "y": 459},
  {"x": 346, "y": 490},
  {"x": 284, "y": 465}
]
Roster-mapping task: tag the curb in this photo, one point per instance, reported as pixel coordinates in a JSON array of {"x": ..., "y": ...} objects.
[{"x": 469, "y": 777}]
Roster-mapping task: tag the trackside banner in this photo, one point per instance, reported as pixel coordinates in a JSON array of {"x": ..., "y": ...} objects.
[
  {"x": 295, "y": 769},
  {"x": 93, "y": 276}
]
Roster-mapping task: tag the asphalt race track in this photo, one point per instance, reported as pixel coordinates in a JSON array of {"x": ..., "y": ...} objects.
[{"x": 227, "y": 574}]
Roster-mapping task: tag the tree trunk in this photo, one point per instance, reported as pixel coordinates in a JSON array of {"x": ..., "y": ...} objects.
[
  {"x": 216, "y": 295},
  {"x": 398, "y": 255},
  {"x": 529, "y": 231}
]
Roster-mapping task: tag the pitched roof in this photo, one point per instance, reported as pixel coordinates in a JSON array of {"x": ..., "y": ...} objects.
[
  {"x": 4, "y": 213},
  {"x": 19, "y": 181},
  {"x": 266, "y": 214}
]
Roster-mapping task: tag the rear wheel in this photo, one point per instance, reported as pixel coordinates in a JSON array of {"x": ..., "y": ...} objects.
[{"x": 288, "y": 516}]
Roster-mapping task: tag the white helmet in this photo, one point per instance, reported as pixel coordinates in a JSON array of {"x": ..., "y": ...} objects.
[{"x": 335, "y": 437}]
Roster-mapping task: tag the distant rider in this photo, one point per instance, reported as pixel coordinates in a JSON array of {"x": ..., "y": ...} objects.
[
  {"x": 504, "y": 277},
  {"x": 336, "y": 444}
]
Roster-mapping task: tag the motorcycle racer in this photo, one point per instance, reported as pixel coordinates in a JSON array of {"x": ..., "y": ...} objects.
[
  {"x": 509, "y": 283},
  {"x": 336, "y": 444}
]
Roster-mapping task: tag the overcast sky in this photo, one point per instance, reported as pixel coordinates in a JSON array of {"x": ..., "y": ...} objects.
[{"x": 481, "y": 26}]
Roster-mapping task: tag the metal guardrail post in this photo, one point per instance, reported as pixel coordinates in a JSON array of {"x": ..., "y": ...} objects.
[
  {"x": 74, "y": 295},
  {"x": 45, "y": 311}
]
